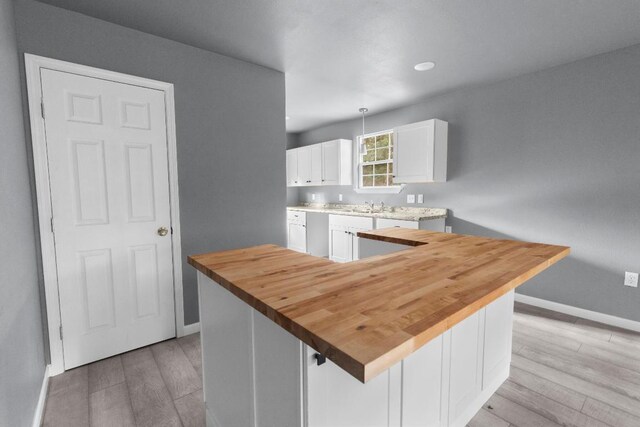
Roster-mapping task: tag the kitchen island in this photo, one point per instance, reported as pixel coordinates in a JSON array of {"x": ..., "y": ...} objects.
[{"x": 417, "y": 336}]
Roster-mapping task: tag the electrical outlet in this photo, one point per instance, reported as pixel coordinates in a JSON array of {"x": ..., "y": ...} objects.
[
  {"x": 339, "y": 197},
  {"x": 313, "y": 196},
  {"x": 631, "y": 279},
  {"x": 411, "y": 198},
  {"x": 447, "y": 229},
  {"x": 420, "y": 198}
]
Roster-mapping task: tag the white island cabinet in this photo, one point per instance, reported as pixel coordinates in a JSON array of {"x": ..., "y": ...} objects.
[{"x": 258, "y": 374}]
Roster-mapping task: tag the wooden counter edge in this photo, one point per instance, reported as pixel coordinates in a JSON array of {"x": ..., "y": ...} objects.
[
  {"x": 337, "y": 356},
  {"x": 367, "y": 371},
  {"x": 384, "y": 362}
]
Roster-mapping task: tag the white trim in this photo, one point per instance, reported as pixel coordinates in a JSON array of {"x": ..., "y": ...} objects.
[
  {"x": 39, "y": 412},
  {"x": 379, "y": 190},
  {"x": 192, "y": 328},
  {"x": 33, "y": 65},
  {"x": 607, "y": 319}
]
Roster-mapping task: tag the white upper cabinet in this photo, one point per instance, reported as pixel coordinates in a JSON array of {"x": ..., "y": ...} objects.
[
  {"x": 331, "y": 162},
  {"x": 420, "y": 152},
  {"x": 292, "y": 167},
  {"x": 336, "y": 162},
  {"x": 326, "y": 163},
  {"x": 316, "y": 164},
  {"x": 304, "y": 166}
]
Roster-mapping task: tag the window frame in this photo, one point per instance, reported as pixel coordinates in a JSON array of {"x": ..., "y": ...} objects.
[{"x": 359, "y": 164}]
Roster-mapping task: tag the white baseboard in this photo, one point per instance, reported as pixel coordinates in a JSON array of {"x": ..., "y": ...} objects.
[
  {"x": 607, "y": 319},
  {"x": 191, "y": 329},
  {"x": 39, "y": 413}
]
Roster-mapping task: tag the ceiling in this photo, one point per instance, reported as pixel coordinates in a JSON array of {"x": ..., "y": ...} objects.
[{"x": 339, "y": 55}]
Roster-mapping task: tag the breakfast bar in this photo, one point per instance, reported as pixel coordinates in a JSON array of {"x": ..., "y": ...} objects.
[{"x": 417, "y": 333}]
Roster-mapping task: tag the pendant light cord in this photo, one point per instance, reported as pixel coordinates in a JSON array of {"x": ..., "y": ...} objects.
[{"x": 363, "y": 110}]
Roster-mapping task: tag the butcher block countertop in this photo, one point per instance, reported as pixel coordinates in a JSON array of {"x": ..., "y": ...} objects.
[{"x": 367, "y": 315}]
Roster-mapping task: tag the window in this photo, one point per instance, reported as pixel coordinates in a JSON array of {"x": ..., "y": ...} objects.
[{"x": 375, "y": 165}]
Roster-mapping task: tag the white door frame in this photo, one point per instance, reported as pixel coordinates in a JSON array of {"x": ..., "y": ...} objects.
[{"x": 33, "y": 65}]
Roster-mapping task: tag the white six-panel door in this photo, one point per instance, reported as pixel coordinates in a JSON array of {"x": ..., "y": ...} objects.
[{"x": 107, "y": 154}]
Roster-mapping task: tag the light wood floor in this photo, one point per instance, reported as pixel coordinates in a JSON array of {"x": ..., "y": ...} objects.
[
  {"x": 565, "y": 372},
  {"x": 158, "y": 385}
]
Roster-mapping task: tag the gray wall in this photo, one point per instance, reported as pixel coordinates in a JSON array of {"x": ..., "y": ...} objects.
[
  {"x": 552, "y": 157},
  {"x": 21, "y": 346},
  {"x": 229, "y": 118}
]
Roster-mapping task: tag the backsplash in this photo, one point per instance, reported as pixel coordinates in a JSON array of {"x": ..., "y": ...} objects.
[{"x": 332, "y": 195}]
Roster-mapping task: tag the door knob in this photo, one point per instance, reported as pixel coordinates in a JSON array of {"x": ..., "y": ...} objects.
[{"x": 163, "y": 231}]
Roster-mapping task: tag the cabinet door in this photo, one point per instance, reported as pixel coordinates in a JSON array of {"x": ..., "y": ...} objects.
[
  {"x": 422, "y": 376},
  {"x": 331, "y": 162},
  {"x": 316, "y": 164},
  {"x": 339, "y": 244},
  {"x": 355, "y": 242},
  {"x": 304, "y": 166},
  {"x": 292, "y": 167},
  {"x": 335, "y": 398},
  {"x": 297, "y": 237},
  {"x": 465, "y": 377},
  {"x": 387, "y": 223},
  {"x": 413, "y": 152},
  {"x": 497, "y": 339}
]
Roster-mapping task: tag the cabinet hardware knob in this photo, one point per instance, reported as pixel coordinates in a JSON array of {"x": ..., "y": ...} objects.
[{"x": 320, "y": 358}]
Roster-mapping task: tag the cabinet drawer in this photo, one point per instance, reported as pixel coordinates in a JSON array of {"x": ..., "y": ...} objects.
[
  {"x": 351, "y": 221},
  {"x": 297, "y": 217},
  {"x": 386, "y": 223}
]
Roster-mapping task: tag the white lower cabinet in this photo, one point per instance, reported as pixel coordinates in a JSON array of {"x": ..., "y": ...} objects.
[
  {"x": 340, "y": 244},
  {"x": 388, "y": 223},
  {"x": 297, "y": 237},
  {"x": 343, "y": 236},
  {"x": 307, "y": 232},
  {"x": 297, "y": 231},
  {"x": 426, "y": 224}
]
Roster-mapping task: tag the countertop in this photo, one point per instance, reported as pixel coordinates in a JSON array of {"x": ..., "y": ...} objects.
[
  {"x": 369, "y": 314},
  {"x": 403, "y": 213}
]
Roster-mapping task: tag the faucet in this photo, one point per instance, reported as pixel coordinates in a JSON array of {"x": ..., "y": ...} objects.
[{"x": 370, "y": 205}]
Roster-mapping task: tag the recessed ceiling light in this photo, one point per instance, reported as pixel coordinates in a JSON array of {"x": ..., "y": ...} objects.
[
  {"x": 425, "y": 66},
  {"x": 287, "y": 117}
]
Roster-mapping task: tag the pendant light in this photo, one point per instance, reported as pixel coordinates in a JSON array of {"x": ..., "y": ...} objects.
[{"x": 363, "y": 147}]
